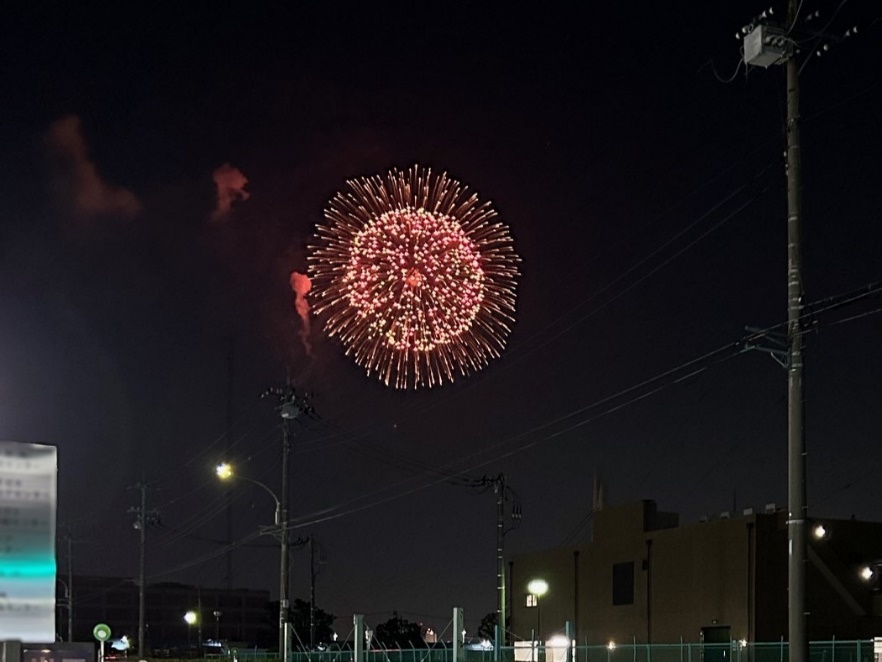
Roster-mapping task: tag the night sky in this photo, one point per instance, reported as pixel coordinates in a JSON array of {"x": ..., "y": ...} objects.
[{"x": 646, "y": 198}]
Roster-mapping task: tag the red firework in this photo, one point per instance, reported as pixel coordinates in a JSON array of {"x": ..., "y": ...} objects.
[{"x": 414, "y": 276}]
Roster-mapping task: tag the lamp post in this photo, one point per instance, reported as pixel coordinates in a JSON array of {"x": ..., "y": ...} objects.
[
  {"x": 537, "y": 588},
  {"x": 217, "y": 615},
  {"x": 225, "y": 472},
  {"x": 190, "y": 618}
]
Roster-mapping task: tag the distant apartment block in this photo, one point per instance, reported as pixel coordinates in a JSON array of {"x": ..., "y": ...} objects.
[{"x": 239, "y": 615}]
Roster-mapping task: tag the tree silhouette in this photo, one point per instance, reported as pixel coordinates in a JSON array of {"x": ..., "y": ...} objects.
[
  {"x": 398, "y": 632},
  {"x": 298, "y": 617},
  {"x": 487, "y": 628}
]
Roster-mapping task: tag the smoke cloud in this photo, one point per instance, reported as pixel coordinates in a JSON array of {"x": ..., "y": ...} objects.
[
  {"x": 230, "y": 183},
  {"x": 301, "y": 285},
  {"x": 78, "y": 177}
]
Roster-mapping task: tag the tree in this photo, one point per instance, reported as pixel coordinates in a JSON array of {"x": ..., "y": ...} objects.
[
  {"x": 487, "y": 628},
  {"x": 398, "y": 632},
  {"x": 298, "y": 615}
]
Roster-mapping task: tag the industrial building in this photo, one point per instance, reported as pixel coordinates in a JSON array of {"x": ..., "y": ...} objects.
[{"x": 644, "y": 578}]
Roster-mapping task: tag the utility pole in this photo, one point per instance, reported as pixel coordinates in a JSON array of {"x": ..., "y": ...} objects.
[
  {"x": 67, "y": 602},
  {"x": 764, "y": 45},
  {"x": 69, "y": 584},
  {"x": 199, "y": 620},
  {"x": 796, "y": 492},
  {"x": 311, "y": 593},
  {"x": 290, "y": 407},
  {"x": 499, "y": 487},
  {"x": 283, "y": 544},
  {"x": 143, "y": 517},
  {"x": 229, "y": 494},
  {"x": 502, "y": 491}
]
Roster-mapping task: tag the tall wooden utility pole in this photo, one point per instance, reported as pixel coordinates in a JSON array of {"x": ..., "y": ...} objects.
[
  {"x": 796, "y": 495},
  {"x": 311, "y": 592},
  {"x": 501, "y": 604},
  {"x": 290, "y": 406},
  {"x": 766, "y": 44},
  {"x": 143, "y": 517}
]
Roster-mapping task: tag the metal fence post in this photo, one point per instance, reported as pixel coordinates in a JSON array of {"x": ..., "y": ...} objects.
[
  {"x": 457, "y": 634},
  {"x": 568, "y": 631},
  {"x": 358, "y": 644}
]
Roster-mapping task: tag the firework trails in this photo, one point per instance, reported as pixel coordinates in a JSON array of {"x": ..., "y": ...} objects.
[{"x": 414, "y": 276}]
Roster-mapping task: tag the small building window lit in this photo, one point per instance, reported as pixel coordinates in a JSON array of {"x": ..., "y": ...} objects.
[{"x": 532, "y": 600}]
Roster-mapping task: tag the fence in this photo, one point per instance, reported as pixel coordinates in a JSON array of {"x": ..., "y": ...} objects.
[{"x": 735, "y": 651}]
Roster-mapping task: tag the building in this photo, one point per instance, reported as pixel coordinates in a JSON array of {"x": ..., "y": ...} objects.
[
  {"x": 647, "y": 579},
  {"x": 240, "y": 615}
]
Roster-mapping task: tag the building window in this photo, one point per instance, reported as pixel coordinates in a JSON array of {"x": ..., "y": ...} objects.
[
  {"x": 623, "y": 583},
  {"x": 532, "y": 600}
]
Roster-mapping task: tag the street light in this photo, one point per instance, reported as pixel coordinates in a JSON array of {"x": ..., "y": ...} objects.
[
  {"x": 217, "y": 615},
  {"x": 225, "y": 472},
  {"x": 190, "y": 617},
  {"x": 537, "y": 588}
]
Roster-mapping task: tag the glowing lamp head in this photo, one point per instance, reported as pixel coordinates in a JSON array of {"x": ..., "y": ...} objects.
[
  {"x": 819, "y": 532},
  {"x": 224, "y": 471},
  {"x": 538, "y": 587},
  {"x": 190, "y": 617},
  {"x": 867, "y": 573}
]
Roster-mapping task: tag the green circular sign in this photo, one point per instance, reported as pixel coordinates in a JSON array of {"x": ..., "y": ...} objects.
[{"x": 101, "y": 632}]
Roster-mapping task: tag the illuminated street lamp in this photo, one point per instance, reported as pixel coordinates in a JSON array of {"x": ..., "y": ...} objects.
[
  {"x": 190, "y": 617},
  {"x": 537, "y": 588},
  {"x": 217, "y": 614},
  {"x": 225, "y": 472}
]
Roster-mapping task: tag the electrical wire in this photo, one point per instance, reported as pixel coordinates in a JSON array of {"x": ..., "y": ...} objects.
[
  {"x": 695, "y": 366},
  {"x": 347, "y": 508},
  {"x": 795, "y": 17},
  {"x": 819, "y": 38},
  {"x": 717, "y": 75}
]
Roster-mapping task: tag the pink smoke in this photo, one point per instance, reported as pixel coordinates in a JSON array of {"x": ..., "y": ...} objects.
[
  {"x": 230, "y": 183},
  {"x": 89, "y": 194},
  {"x": 301, "y": 285}
]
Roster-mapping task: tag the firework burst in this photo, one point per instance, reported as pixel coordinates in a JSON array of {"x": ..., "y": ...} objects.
[{"x": 414, "y": 276}]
